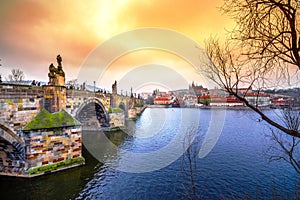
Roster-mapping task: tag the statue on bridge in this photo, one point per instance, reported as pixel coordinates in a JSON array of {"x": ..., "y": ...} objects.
[
  {"x": 55, "y": 91},
  {"x": 114, "y": 88},
  {"x": 59, "y": 60},
  {"x": 60, "y": 71},
  {"x": 56, "y": 75},
  {"x": 52, "y": 71}
]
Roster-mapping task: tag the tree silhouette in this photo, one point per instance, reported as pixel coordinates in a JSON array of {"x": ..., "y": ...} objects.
[
  {"x": 16, "y": 75},
  {"x": 262, "y": 52},
  {"x": 267, "y": 29}
]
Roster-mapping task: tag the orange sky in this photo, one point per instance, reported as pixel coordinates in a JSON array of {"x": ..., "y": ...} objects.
[{"x": 33, "y": 32}]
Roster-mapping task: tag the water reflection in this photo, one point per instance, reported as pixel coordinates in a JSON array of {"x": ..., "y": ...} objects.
[
  {"x": 235, "y": 169},
  {"x": 62, "y": 185}
]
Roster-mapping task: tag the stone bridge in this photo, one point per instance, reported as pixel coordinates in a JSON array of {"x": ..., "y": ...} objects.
[
  {"x": 19, "y": 104},
  {"x": 97, "y": 109},
  {"x": 41, "y": 126}
]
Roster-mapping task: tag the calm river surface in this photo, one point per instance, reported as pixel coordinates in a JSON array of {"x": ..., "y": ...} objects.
[{"x": 147, "y": 163}]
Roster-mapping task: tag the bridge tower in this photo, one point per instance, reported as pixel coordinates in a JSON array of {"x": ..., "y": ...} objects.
[{"x": 55, "y": 91}]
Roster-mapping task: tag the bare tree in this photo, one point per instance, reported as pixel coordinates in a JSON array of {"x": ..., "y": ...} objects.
[
  {"x": 262, "y": 52},
  {"x": 265, "y": 41},
  {"x": 267, "y": 29},
  {"x": 228, "y": 70},
  {"x": 16, "y": 75},
  {"x": 286, "y": 148},
  {"x": 231, "y": 72},
  {"x": 189, "y": 164}
]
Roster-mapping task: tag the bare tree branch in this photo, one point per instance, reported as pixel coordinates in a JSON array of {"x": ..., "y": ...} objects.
[
  {"x": 262, "y": 48},
  {"x": 16, "y": 75},
  {"x": 267, "y": 28},
  {"x": 230, "y": 72},
  {"x": 288, "y": 151}
]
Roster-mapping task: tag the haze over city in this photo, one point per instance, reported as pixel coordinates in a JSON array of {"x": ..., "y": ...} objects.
[{"x": 34, "y": 32}]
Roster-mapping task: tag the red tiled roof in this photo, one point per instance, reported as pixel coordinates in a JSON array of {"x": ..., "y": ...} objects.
[{"x": 161, "y": 99}]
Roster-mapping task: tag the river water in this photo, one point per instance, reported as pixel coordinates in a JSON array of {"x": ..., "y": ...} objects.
[{"x": 146, "y": 162}]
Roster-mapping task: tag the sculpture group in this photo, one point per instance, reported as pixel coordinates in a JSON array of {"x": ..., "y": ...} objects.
[{"x": 56, "y": 74}]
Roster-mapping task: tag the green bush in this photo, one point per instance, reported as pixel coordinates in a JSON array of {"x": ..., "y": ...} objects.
[
  {"x": 115, "y": 110},
  {"x": 138, "y": 104},
  {"x": 55, "y": 166}
]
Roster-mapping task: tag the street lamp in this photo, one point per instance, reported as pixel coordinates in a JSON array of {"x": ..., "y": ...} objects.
[{"x": 94, "y": 86}]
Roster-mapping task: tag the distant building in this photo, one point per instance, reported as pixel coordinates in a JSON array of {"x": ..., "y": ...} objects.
[
  {"x": 222, "y": 101},
  {"x": 162, "y": 101},
  {"x": 144, "y": 95},
  {"x": 280, "y": 101},
  {"x": 190, "y": 100},
  {"x": 180, "y": 93},
  {"x": 198, "y": 90},
  {"x": 245, "y": 90},
  {"x": 260, "y": 100},
  {"x": 218, "y": 92}
]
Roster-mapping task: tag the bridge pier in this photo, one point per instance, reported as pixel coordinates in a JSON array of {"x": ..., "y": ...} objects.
[{"x": 52, "y": 146}]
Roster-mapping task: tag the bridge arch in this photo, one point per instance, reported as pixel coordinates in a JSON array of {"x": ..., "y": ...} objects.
[
  {"x": 12, "y": 151},
  {"x": 92, "y": 113},
  {"x": 10, "y": 135},
  {"x": 122, "y": 106}
]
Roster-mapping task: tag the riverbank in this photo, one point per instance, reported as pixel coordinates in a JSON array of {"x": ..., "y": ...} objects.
[
  {"x": 48, "y": 169},
  {"x": 134, "y": 113},
  {"x": 222, "y": 107}
]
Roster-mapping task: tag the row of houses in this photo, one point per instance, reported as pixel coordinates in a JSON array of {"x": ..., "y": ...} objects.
[
  {"x": 200, "y": 96},
  {"x": 259, "y": 100}
]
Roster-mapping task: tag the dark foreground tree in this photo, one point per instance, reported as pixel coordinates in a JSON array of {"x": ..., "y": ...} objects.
[
  {"x": 262, "y": 53},
  {"x": 231, "y": 73},
  {"x": 267, "y": 29}
]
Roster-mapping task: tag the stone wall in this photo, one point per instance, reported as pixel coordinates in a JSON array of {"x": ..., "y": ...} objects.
[
  {"x": 55, "y": 98},
  {"x": 117, "y": 119},
  {"x": 51, "y": 146},
  {"x": 133, "y": 113},
  {"x": 19, "y": 105}
]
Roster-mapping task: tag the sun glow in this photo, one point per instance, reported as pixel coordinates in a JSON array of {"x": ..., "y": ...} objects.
[
  {"x": 107, "y": 20},
  {"x": 34, "y": 32}
]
